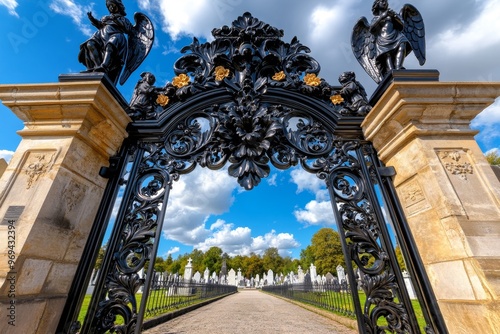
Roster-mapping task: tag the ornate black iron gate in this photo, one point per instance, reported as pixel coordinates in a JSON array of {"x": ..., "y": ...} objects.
[{"x": 249, "y": 100}]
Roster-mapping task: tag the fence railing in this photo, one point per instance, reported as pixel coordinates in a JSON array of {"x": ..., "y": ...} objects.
[
  {"x": 167, "y": 294},
  {"x": 331, "y": 296}
]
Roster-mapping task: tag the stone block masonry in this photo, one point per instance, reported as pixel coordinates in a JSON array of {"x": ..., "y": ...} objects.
[
  {"x": 70, "y": 131},
  {"x": 450, "y": 194}
]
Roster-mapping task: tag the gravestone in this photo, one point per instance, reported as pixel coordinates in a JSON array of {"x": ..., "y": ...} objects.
[
  {"x": 409, "y": 285},
  {"x": 341, "y": 273},
  {"x": 206, "y": 275},
  {"x": 301, "y": 275},
  {"x": 231, "y": 278},
  {"x": 307, "y": 282},
  {"x": 329, "y": 278},
  {"x": 240, "y": 279},
  {"x": 188, "y": 271},
  {"x": 197, "y": 277},
  {"x": 312, "y": 272},
  {"x": 270, "y": 277}
]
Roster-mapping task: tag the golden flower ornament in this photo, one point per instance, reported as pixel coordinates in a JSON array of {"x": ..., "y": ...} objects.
[
  {"x": 279, "y": 76},
  {"x": 162, "y": 100},
  {"x": 221, "y": 73},
  {"x": 311, "y": 79},
  {"x": 336, "y": 99},
  {"x": 181, "y": 80}
]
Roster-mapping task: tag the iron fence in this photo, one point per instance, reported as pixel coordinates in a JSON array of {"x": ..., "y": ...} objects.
[
  {"x": 334, "y": 296},
  {"x": 167, "y": 294}
]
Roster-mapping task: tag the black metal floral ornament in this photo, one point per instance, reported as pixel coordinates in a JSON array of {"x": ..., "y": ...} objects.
[
  {"x": 249, "y": 100},
  {"x": 246, "y": 60}
]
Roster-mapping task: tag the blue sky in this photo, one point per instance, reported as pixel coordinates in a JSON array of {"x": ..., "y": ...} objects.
[{"x": 40, "y": 40}]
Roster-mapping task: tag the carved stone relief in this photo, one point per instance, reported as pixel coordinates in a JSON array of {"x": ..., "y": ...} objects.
[
  {"x": 37, "y": 164},
  {"x": 456, "y": 163},
  {"x": 413, "y": 197},
  {"x": 73, "y": 194}
]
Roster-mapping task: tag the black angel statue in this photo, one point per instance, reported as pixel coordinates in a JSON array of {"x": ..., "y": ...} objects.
[
  {"x": 108, "y": 50},
  {"x": 382, "y": 45}
]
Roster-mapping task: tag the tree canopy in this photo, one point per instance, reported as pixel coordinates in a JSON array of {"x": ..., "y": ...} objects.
[
  {"x": 493, "y": 157},
  {"x": 325, "y": 252}
]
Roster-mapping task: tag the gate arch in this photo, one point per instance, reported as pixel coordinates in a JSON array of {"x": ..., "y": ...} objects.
[{"x": 249, "y": 100}]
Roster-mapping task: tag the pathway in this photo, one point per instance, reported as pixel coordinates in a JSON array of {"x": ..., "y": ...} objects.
[{"x": 250, "y": 311}]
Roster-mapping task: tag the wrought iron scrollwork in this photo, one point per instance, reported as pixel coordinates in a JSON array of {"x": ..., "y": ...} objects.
[
  {"x": 365, "y": 243},
  {"x": 142, "y": 214},
  {"x": 349, "y": 173},
  {"x": 249, "y": 137},
  {"x": 249, "y": 132},
  {"x": 246, "y": 59}
]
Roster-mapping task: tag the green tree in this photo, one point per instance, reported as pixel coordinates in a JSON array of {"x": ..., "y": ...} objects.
[
  {"x": 327, "y": 251},
  {"x": 197, "y": 256},
  {"x": 178, "y": 264},
  {"x": 289, "y": 265},
  {"x": 213, "y": 259},
  {"x": 168, "y": 263},
  {"x": 400, "y": 258},
  {"x": 253, "y": 265},
  {"x": 160, "y": 264},
  {"x": 307, "y": 257},
  {"x": 272, "y": 260},
  {"x": 493, "y": 157},
  {"x": 236, "y": 262},
  {"x": 100, "y": 257}
]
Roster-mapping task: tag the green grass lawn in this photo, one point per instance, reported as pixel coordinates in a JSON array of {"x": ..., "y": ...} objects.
[
  {"x": 342, "y": 304},
  {"x": 158, "y": 303},
  {"x": 177, "y": 302}
]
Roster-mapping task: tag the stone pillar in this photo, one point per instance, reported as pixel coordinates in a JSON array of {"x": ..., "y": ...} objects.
[
  {"x": 449, "y": 192},
  {"x": 3, "y": 166},
  {"x": 50, "y": 192}
]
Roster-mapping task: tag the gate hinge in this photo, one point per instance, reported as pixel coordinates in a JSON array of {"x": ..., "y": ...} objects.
[
  {"x": 107, "y": 172},
  {"x": 387, "y": 171}
]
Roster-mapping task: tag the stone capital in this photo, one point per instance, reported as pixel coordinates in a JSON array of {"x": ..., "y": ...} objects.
[
  {"x": 408, "y": 110},
  {"x": 84, "y": 109}
]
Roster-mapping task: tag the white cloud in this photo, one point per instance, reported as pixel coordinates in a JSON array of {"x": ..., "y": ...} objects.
[
  {"x": 282, "y": 241},
  {"x": 11, "y": 6},
  {"x": 316, "y": 213},
  {"x": 6, "y": 154},
  {"x": 189, "y": 17},
  {"x": 470, "y": 37},
  {"x": 173, "y": 250},
  {"x": 75, "y": 11},
  {"x": 306, "y": 181},
  {"x": 239, "y": 241},
  {"x": 272, "y": 180},
  {"x": 144, "y": 5},
  {"x": 193, "y": 199},
  {"x": 325, "y": 20},
  {"x": 493, "y": 150}
]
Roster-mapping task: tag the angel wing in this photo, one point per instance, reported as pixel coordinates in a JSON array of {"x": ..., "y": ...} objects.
[
  {"x": 140, "y": 41},
  {"x": 414, "y": 31},
  {"x": 363, "y": 47}
]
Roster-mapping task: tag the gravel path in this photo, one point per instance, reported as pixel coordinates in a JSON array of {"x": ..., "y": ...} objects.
[{"x": 250, "y": 311}]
